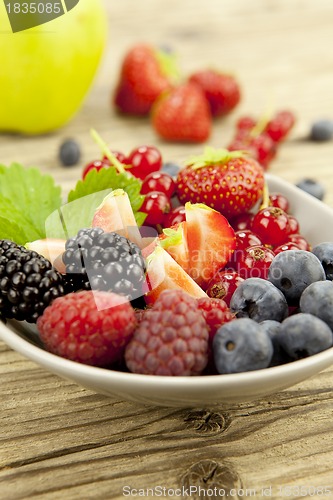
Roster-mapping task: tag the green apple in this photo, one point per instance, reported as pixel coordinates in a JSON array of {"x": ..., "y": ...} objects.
[{"x": 46, "y": 71}]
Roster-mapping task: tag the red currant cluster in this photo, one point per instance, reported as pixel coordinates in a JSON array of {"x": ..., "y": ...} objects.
[
  {"x": 261, "y": 138},
  {"x": 259, "y": 238}
]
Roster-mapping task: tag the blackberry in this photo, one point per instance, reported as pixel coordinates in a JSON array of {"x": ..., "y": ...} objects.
[
  {"x": 28, "y": 283},
  {"x": 96, "y": 260}
]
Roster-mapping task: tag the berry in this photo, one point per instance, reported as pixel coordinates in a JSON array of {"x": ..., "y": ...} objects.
[
  {"x": 259, "y": 300},
  {"x": 69, "y": 152},
  {"x": 159, "y": 181},
  {"x": 118, "y": 155},
  {"x": 95, "y": 165},
  {"x": 272, "y": 329},
  {"x": 321, "y": 131},
  {"x": 144, "y": 160},
  {"x": 324, "y": 252},
  {"x": 171, "y": 168},
  {"x": 88, "y": 327},
  {"x": 299, "y": 240},
  {"x": 312, "y": 187},
  {"x": 145, "y": 73},
  {"x": 271, "y": 224},
  {"x": 293, "y": 225},
  {"x": 286, "y": 246},
  {"x": 28, "y": 283},
  {"x": 104, "y": 261},
  {"x": 261, "y": 147},
  {"x": 176, "y": 216},
  {"x": 223, "y": 285},
  {"x": 216, "y": 313},
  {"x": 182, "y": 115},
  {"x": 226, "y": 181},
  {"x": 221, "y": 91},
  {"x": 293, "y": 271},
  {"x": 279, "y": 127},
  {"x": 241, "y": 346},
  {"x": 303, "y": 335},
  {"x": 245, "y": 124},
  {"x": 241, "y": 222},
  {"x": 156, "y": 205},
  {"x": 245, "y": 239},
  {"x": 253, "y": 262},
  {"x": 278, "y": 200},
  {"x": 317, "y": 299},
  {"x": 171, "y": 339}
]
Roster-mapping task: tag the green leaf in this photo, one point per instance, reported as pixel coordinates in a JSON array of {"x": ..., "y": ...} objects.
[
  {"x": 212, "y": 156},
  {"x": 106, "y": 179},
  {"x": 11, "y": 231},
  {"x": 27, "y": 198}
]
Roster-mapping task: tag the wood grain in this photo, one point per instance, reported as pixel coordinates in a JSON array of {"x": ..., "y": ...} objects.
[{"x": 58, "y": 440}]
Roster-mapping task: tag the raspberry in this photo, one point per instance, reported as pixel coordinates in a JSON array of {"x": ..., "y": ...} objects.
[
  {"x": 88, "y": 327},
  {"x": 172, "y": 338},
  {"x": 28, "y": 282},
  {"x": 216, "y": 313}
]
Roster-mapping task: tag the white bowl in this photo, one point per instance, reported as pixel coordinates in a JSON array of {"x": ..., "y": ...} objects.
[{"x": 316, "y": 220}]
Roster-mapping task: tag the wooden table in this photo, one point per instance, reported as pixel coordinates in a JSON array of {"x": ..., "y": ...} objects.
[{"x": 59, "y": 440}]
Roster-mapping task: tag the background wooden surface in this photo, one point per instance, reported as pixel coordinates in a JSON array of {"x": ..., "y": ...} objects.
[{"x": 58, "y": 440}]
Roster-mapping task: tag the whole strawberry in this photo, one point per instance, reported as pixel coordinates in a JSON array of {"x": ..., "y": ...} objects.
[
  {"x": 182, "y": 115},
  {"x": 221, "y": 90},
  {"x": 146, "y": 72},
  {"x": 227, "y": 181},
  {"x": 88, "y": 327},
  {"x": 171, "y": 339}
]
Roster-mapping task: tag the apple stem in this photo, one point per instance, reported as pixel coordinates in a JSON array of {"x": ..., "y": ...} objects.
[{"x": 106, "y": 150}]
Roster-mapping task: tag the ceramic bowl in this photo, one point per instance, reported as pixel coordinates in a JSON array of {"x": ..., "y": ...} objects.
[{"x": 316, "y": 221}]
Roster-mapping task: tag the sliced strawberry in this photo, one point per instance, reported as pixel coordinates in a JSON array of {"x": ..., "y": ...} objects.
[
  {"x": 145, "y": 73},
  {"x": 164, "y": 273},
  {"x": 211, "y": 242},
  {"x": 182, "y": 115}
]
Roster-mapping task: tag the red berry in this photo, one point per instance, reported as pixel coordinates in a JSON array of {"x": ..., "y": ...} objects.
[
  {"x": 95, "y": 165},
  {"x": 265, "y": 148},
  {"x": 278, "y": 200},
  {"x": 300, "y": 241},
  {"x": 293, "y": 225},
  {"x": 176, "y": 216},
  {"x": 221, "y": 91},
  {"x": 286, "y": 246},
  {"x": 159, "y": 181},
  {"x": 144, "y": 160},
  {"x": 155, "y": 205},
  {"x": 119, "y": 155},
  {"x": 279, "y": 127},
  {"x": 245, "y": 123},
  {"x": 223, "y": 285},
  {"x": 245, "y": 239},
  {"x": 241, "y": 222},
  {"x": 216, "y": 313},
  {"x": 171, "y": 339},
  {"x": 254, "y": 262},
  {"x": 88, "y": 327},
  {"x": 271, "y": 224}
]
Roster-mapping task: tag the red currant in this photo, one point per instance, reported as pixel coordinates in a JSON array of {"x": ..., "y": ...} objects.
[
  {"x": 159, "y": 181},
  {"x": 223, "y": 285},
  {"x": 265, "y": 149},
  {"x": 279, "y": 127},
  {"x": 119, "y": 155},
  {"x": 176, "y": 216},
  {"x": 245, "y": 239},
  {"x": 278, "y": 200},
  {"x": 271, "y": 224},
  {"x": 241, "y": 222},
  {"x": 300, "y": 241},
  {"x": 95, "y": 165},
  {"x": 286, "y": 246},
  {"x": 245, "y": 123},
  {"x": 254, "y": 262},
  {"x": 293, "y": 225},
  {"x": 155, "y": 205},
  {"x": 144, "y": 160}
]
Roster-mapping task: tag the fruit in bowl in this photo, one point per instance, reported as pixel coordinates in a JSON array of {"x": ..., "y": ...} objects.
[{"x": 47, "y": 72}]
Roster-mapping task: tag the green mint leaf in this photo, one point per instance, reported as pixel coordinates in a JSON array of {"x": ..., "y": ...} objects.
[{"x": 27, "y": 198}]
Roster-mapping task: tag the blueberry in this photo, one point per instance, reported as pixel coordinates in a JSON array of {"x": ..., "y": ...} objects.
[
  {"x": 171, "y": 168},
  {"x": 312, "y": 187},
  {"x": 272, "y": 329},
  {"x": 240, "y": 346},
  {"x": 317, "y": 299},
  {"x": 303, "y": 335},
  {"x": 324, "y": 252},
  {"x": 69, "y": 153},
  {"x": 259, "y": 300},
  {"x": 294, "y": 270},
  {"x": 321, "y": 131}
]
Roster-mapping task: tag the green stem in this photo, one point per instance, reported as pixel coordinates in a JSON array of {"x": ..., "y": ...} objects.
[{"x": 105, "y": 149}]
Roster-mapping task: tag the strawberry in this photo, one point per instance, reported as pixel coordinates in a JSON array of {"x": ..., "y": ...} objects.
[
  {"x": 145, "y": 73},
  {"x": 182, "y": 115},
  {"x": 227, "y": 181},
  {"x": 210, "y": 241},
  {"x": 221, "y": 90}
]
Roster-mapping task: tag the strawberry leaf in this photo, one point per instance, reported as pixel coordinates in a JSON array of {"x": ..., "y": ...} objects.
[{"x": 212, "y": 156}]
